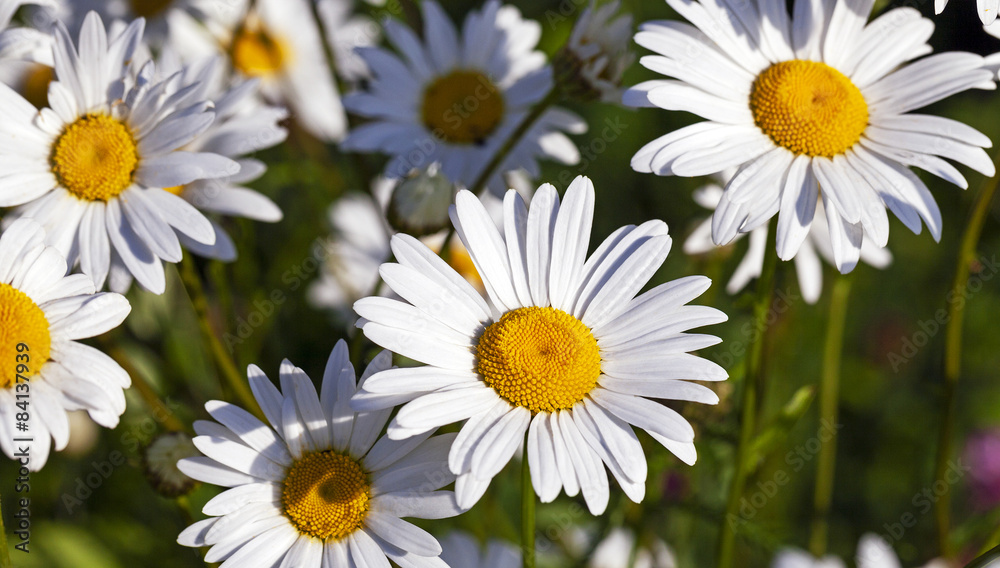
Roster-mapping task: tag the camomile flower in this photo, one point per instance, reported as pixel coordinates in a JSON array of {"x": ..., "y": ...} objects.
[
  {"x": 873, "y": 552},
  {"x": 47, "y": 372},
  {"x": 243, "y": 124},
  {"x": 316, "y": 486},
  {"x": 621, "y": 546},
  {"x": 25, "y": 53},
  {"x": 159, "y": 14},
  {"x": 92, "y": 168},
  {"x": 815, "y": 247},
  {"x": 346, "y": 30},
  {"x": 279, "y": 43},
  {"x": 457, "y": 98},
  {"x": 987, "y": 9},
  {"x": 462, "y": 550},
  {"x": 597, "y": 54},
  {"x": 560, "y": 351},
  {"x": 360, "y": 244},
  {"x": 816, "y": 100}
]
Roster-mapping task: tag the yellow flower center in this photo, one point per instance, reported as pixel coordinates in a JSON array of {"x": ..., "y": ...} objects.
[
  {"x": 256, "y": 52},
  {"x": 95, "y": 157},
  {"x": 460, "y": 260},
  {"x": 809, "y": 108},
  {"x": 21, "y": 321},
  {"x": 149, "y": 8},
  {"x": 36, "y": 85},
  {"x": 540, "y": 358},
  {"x": 326, "y": 495},
  {"x": 463, "y": 107}
]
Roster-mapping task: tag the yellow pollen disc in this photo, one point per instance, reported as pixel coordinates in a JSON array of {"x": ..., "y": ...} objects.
[
  {"x": 255, "y": 52},
  {"x": 36, "y": 85},
  {"x": 149, "y": 8},
  {"x": 463, "y": 107},
  {"x": 460, "y": 260},
  {"x": 326, "y": 495},
  {"x": 809, "y": 108},
  {"x": 95, "y": 157},
  {"x": 21, "y": 321},
  {"x": 540, "y": 358}
]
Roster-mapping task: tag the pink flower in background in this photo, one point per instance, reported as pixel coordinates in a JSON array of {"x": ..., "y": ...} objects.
[{"x": 982, "y": 452}]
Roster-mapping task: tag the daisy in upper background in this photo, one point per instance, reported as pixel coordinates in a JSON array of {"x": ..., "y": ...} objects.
[
  {"x": 808, "y": 268},
  {"x": 591, "y": 64},
  {"x": 816, "y": 100},
  {"x": 43, "y": 313},
  {"x": 457, "y": 99},
  {"x": 243, "y": 125},
  {"x": 159, "y": 14},
  {"x": 92, "y": 168},
  {"x": 462, "y": 550},
  {"x": 346, "y": 30},
  {"x": 987, "y": 10},
  {"x": 873, "y": 552},
  {"x": 316, "y": 486},
  {"x": 561, "y": 350},
  {"x": 363, "y": 225},
  {"x": 26, "y": 51},
  {"x": 279, "y": 43}
]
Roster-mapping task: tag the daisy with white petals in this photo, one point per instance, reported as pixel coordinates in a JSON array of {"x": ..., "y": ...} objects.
[
  {"x": 808, "y": 268},
  {"x": 987, "y": 9},
  {"x": 457, "y": 98},
  {"x": 561, "y": 350},
  {"x": 873, "y": 552},
  {"x": 317, "y": 487},
  {"x": 816, "y": 100},
  {"x": 92, "y": 168},
  {"x": 45, "y": 372},
  {"x": 597, "y": 54}
]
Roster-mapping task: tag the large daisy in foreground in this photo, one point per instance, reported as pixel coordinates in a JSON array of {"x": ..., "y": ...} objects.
[
  {"x": 561, "y": 351},
  {"x": 458, "y": 98},
  {"x": 317, "y": 486},
  {"x": 45, "y": 371},
  {"x": 92, "y": 168},
  {"x": 819, "y": 100}
]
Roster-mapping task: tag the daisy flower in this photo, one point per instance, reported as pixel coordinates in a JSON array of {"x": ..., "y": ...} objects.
[
  {"x": 345, "y": 31},
  {"x": 92, "y": 168},
  {"x": 596, "y": 56},
  {"x": 873, "y": 552},
  {"x": 360, "y": 244},
  {"x": 461, "y": 550},
  {"x": 987, "y": 9},
  {"x": 25, "y": 54},
  {"x": 814, "y": 247},
  {"x": 46, "y": 372},
  {"x": 243, "y": 125},
  {"x": 316, "y": 486},
  {"x": 159, "y": 14},
  {"x": 457, "y": 98},
  {"x": 620, "y": 546},
  {"x": 561, "y": 351},
  {"x": 279, "y": 43},
  {"x": 819, "y": 99}
]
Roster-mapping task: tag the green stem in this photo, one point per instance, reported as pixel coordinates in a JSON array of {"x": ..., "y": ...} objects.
[
  {"x": 752, "y": 382},
  {"x": 539, "y": 109},
  {"x": 829, "y": 395},
  {"x": 527, "y": 511},
  {"x": 953, "y": 353},
  {"x": 985, "y": 559},
  {"x": 223, "y": 360},
  {"x": 4, "y": 550},
  {"x": 991, "y": 541}
]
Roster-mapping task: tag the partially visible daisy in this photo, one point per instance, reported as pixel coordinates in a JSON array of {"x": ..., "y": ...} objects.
[
  {"x": 561, "y": 350},
  {"x": 987, "y": 9},
  {"x": 360, "y": 244},
  {"x": 159, "y": 14},
  {"x": 873, "y": 552},
  {"x": 597, "y": 54},
  {"x": 25, "y": 53},
  {"x": 279, "y": 43},
  {"x": 808, "y": 268},
  {"x": 243, "y": 125},
  {"x": 621, "y": 545},
  {"x": 316, "y": 486},
  {"x": 43, "y": 313},
  {"x": 461, "y": 550},
  {"x": 159, "y": 463},
  {"x": 457, "y": 98},
  {"x": 346, "y": 30},
  {"x": 92, "y": 168},
  {"x": 818, "y": 99}
]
